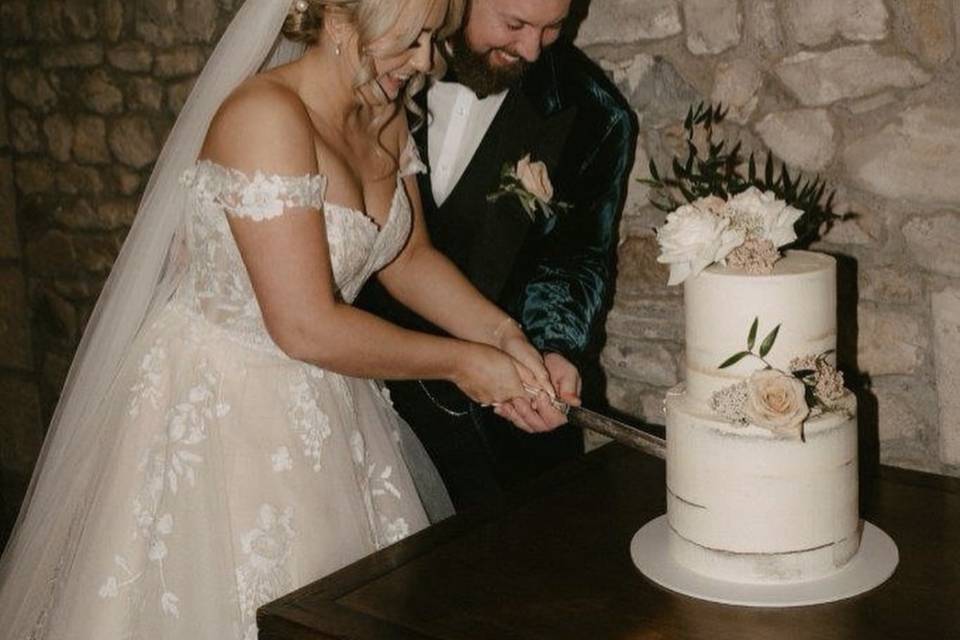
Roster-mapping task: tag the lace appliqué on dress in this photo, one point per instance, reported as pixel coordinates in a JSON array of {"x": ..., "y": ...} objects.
[{"x": 259, "y": 197}]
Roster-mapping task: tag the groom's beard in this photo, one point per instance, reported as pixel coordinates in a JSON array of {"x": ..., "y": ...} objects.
[{"x": 475, "y": 71}]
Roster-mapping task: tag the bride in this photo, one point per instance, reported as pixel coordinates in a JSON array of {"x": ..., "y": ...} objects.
[{"x": 219, "y": 441}]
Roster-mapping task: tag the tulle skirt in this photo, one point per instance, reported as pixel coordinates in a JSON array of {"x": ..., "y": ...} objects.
[{"x": 239, "y": 476}]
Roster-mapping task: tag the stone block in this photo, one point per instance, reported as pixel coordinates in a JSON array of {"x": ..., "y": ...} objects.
[
  {"x": 925, "y": 28},
  {"x": 658, "y": 92},
  {"x": 15, "y": 352},
  {"x": 625, "y": 21},
  {"x": 31, "y": 87},
  {"x": 81, "y": 18},
  {"x": 891, "y": 285},
  {"x": 22, "y": 433},
  {"x": 99, "y": 93},
  {"x": 636, "y": 400},
  {"x": 647, "y": 319},
  {"x": 51, "y": 255},
  {"x": 90, "y": 140},
  {"x": 946, "y": 330},
  {"x": 9, "y": 239},
  {"x": 822, "y": 78},
  {"x": 15, "y": 21},
  {"x": 134, "y": 57},
  {"x": 763, "y": 26},
  {"x": 816, "y": 22},
  {"x": 200, "y": 19},
  {"x": 179, "y": 62},
  {"x": 904, "y": 407},
  {"x": 638, "y": 272},
  {"x": 641, "y": 361},
  {"x": 713, "y": 26},
  {"x": 96, "y": 253},
  {"x": 913, "y": 158},
  {"x": 177, "y": 95},
  {"x": 59, "y": 132},
  {"x": 935, "y": 242},
  {"x": 638, "y": 194},
  {"x": 76, "y": 56},
  {"x": 34, "y": 176},
  {"x": 133, "y": 142},
  {"x": 112, "y": 12},
  {"x": 803, "y": 138},
  {"x": 889, "y": 342},
  {"x": 4, "y": 130},
  {"x": 26, "y": 134},
  {"x": 48, "y": 20},
  {"x": 736, "y": 86},
  {"x": 144, "y": 94},
  {"x": 74, "y": 179}
]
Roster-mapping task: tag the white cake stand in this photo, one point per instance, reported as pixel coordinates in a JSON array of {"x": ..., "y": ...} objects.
[{"x": 873, "y": 564}]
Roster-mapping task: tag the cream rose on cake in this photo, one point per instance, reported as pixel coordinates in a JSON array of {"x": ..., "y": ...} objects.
[
  {"x": 695, "y": 236},
  {"x": 776, "y": 401}
]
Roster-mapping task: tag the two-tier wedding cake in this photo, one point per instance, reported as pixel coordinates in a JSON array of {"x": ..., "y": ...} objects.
[
  {"x": 762, "y": 436},
  {"x": 774, "y": 501}
]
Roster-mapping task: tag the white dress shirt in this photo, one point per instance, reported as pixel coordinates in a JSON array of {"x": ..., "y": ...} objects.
[{"x": 458, "y": 122}]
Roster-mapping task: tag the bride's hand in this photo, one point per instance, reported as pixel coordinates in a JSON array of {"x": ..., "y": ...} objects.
[
  {"x": 489, "y": 376},
  {"x": 532, "y": 370}
]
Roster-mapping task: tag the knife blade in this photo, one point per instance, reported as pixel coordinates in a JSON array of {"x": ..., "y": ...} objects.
[
  {"x": 610, "y": 427},
  {"x": 619, "y": 431}
]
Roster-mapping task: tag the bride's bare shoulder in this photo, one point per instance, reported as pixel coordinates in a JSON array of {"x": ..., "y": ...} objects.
[{"x": 262, "y": 125}]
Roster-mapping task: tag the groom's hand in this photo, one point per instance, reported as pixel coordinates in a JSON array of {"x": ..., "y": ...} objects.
[{"x": 537, "y": 414}]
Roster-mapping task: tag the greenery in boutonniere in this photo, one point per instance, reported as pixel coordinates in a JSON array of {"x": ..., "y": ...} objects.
[
  {"x": 529, "y": 182},
  {"x": 719, "y": 171},
  {"x": 780, "y": 400}
]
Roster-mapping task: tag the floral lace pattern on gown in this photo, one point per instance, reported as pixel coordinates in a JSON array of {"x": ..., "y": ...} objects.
[{"x": 242, "y": 474}]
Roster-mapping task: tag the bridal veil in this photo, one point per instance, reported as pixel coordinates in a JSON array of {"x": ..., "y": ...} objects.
[{"x": 79, "y": 445}]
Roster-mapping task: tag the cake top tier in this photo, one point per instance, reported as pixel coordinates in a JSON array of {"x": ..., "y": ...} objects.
[{"x": 721, "y": 304}]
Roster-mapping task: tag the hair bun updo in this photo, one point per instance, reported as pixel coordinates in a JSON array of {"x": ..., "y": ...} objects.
[{"x": 304, "y": 21}]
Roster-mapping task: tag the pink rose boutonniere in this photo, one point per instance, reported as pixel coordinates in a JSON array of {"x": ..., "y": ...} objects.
[{"x": 530, "y": 183}]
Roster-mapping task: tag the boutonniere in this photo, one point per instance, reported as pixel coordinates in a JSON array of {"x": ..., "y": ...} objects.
[{"x": 530, "y": 183}]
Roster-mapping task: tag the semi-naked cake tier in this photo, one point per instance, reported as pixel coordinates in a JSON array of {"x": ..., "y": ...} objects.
[
  {"x": 720, "y": 304},
  {"x": 745, "y": 504}
]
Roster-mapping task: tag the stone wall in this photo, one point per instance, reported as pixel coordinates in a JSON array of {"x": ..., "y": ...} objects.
[
  {"x": 21, "y": 432},
  {"x": 91, "y": 88},
  {"x": 863, "y": 92}
]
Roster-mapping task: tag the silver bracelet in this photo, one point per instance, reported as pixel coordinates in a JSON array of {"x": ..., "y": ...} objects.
[{"x": 439, "y": 405}]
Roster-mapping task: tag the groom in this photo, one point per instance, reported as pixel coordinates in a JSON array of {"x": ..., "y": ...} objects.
[{"x": 513, "y": 90}]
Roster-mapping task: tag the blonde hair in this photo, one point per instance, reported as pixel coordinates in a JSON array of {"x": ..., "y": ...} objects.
[{"x": 374, "y": 19}]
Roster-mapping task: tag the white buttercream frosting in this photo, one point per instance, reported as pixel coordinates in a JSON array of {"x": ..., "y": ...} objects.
[{"x": 721, "y": 304}]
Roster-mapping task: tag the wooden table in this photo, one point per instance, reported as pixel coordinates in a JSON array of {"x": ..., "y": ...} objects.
[{"x": 554, "y": 563}]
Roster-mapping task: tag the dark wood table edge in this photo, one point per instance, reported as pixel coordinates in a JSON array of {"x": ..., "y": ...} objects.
[{"x": 325, "y": 592}]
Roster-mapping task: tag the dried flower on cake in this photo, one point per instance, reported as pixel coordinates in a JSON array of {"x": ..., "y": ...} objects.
[{"x": 754, "y": 256}]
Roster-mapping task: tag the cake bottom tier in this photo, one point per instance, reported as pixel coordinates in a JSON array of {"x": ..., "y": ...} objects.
[{"x": 747, "y": 505}]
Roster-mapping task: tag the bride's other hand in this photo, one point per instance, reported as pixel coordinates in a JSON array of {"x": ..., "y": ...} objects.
[
  {"x": 489, "y": 376},
  {"x": 533, "y": 371}
]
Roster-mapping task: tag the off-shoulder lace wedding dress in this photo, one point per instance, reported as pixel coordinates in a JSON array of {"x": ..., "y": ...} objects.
[{"x": 241, "y": 474}]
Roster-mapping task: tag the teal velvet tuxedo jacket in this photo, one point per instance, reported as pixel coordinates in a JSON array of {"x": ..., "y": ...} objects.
[{"x": 553, "y": 274}]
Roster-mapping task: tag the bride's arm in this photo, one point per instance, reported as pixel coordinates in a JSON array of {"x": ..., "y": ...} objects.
[
  {"x": 428, "y": 283},
  {"x": 288, "y": 261}
]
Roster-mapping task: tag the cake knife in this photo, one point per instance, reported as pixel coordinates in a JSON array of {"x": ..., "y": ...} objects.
[
  {"x": 610, "y": 427},
  {"x": 619, "y": 431}
]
